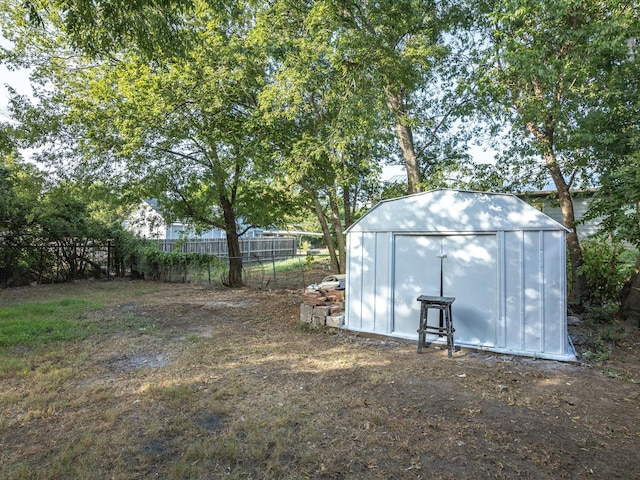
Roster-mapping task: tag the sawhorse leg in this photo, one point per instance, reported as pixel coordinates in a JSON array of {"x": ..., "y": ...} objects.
[
  {"x": 422, "y": 328},
  {"x": 450, "y": 330}
]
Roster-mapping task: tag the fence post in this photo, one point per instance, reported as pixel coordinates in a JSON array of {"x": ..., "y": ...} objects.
[
  {"x": 109, "y": 259},
  {"x": 273, "y": 264}
]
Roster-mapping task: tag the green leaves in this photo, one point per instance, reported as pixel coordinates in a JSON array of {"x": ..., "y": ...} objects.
[
  {"x": 228, "y": 110},
  {"x": 555, "y": 67}
]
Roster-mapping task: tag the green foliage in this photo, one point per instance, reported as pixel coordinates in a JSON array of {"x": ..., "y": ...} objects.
[
  {"x": 617, "y": 203},
  {"x": 598, "y": 352},
  {"x": 51, "y": 231},
  {"x": 606, "y": 267},
  {"x": 179, "y": 125},
  {"x": 65, "y": 212},
  {"x": 241, "y": 112},
  {"x": 20, "y": 189},
  {"x": 558, "y": 71},
  {"x": 35, "y": 323},
  {"x": 602, "y": 333},
  {"x": 551, "y": 68},
  {"x": 172, "y": 266}
]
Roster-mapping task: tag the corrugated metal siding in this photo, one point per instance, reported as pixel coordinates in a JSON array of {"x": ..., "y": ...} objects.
[
  {"x": 368, "y": 273},
  {"x": 513, "y": 292},
  {"x": 554, "y": 293},
  {"x": 355, "y": 303},
  {"x": 526, "y": 314}
]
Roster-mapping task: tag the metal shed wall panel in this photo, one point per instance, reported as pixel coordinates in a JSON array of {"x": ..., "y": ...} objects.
[
  {"x": 369, "y": 299},
  {"x": 509, "y": 284},
  {"x": 513, "y": 290},
  {"x": 555, "y": 287},
  {"x": 534, "y": 286}
]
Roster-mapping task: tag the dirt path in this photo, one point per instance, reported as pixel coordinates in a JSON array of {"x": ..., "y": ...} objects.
[{"x": 228, "y": 384}]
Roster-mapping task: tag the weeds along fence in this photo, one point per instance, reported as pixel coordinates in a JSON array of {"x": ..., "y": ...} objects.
[
  {"x": 54, "y": 262},
  {"x": 267, "y": 262}
]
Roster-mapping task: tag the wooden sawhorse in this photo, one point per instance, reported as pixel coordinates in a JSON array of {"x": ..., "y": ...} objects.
[{"x": 444, "y": 328}]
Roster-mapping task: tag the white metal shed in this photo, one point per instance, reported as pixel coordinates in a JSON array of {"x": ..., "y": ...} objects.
[{"x": 502, "y": 260}]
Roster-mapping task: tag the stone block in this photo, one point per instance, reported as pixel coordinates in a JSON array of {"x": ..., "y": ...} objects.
[
  {"x": 334, "y": 321},
  {"x": 322, "y": 311},
  {"x": 318, "y": 320},
  {"x": 306, "y": 312}
]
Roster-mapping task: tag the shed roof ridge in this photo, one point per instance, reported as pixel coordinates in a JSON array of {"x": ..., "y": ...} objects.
[{"x": 487, "y": 205}]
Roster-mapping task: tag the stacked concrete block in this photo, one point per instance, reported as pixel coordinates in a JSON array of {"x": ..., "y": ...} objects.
[
  {"x": 324, "y": 303},
  {"x": 329, "y": 315},
  {"x": 336, "y": 321}
]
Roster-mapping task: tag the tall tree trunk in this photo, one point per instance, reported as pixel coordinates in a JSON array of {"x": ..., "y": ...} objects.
[
  {"x": 233, "y": 243},
  {"x": 335, "y": 263},
  {"x": 630, "y": 305},
  {"x": 348, "y": 209},
  {"x": 395, "y": 101},
  {"x": 337, "y": 226},
  {"x": 579, "y": 290}
]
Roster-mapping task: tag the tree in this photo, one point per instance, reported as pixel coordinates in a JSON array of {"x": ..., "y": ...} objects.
[
  {"x": 183, "y": 128},
  {"x": 330, "y": 133},
  {"x": 101, "y": 27},
  {"x": 617, "y": 143},
  {"x": 399, "y": 48},
  {"x": 546, "y": 65},
  {"x": 338, "y": 67},
  {"x": 390, "y": 59}
]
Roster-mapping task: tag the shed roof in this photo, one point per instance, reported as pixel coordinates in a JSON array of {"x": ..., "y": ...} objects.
[{"x": 446, "y": 210}]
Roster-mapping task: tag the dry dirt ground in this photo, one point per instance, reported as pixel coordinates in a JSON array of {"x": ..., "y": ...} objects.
[{"x": 218, "y": 383}]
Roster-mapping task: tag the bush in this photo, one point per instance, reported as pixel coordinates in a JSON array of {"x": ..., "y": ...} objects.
[
  {"x": 172, "y": 266},
  {"x": 606, "y": 268}
]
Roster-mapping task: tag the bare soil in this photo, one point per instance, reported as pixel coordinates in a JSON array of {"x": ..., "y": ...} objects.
[{"x": 218, "y": 383}]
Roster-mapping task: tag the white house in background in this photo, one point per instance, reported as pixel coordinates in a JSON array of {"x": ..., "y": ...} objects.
[
  {"x": 147, "y": 222},
  {"x": 547, "y": 202}
]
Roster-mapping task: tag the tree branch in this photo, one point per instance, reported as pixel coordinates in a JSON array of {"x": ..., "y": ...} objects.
[{"x": 442, "y": 121}]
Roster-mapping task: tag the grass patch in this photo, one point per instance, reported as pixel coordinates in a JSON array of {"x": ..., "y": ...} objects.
[
  {"x": 37, "y": 323},
  {"x": 279, "y": 266},
  {"x": 295, "y": 272}
]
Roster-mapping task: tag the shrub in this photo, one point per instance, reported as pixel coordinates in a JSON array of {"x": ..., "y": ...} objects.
[
  {"x": 172, "y": 266},
  {"x": 606, "y": 269}
]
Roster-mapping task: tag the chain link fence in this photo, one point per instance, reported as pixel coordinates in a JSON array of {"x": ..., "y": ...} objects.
[
  {"x": 267, "y": 263},
  {"x": 55, "y": 262},
  {"x": 295, "y": 272}
]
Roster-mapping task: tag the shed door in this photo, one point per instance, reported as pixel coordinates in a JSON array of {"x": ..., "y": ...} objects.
[{"x": 468, "y": 267}]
